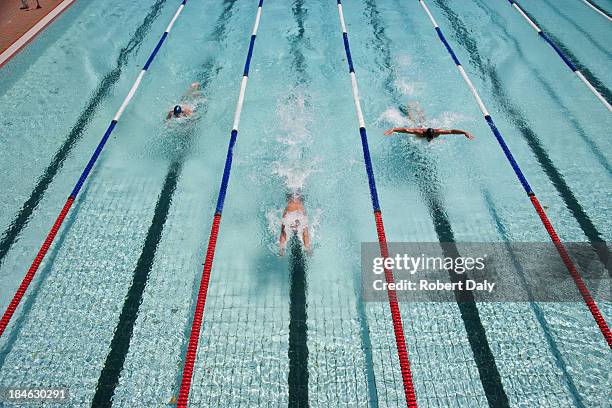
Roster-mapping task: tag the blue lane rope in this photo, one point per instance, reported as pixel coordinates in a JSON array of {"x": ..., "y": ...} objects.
[
  {"x": 93, "y": 159},
  {"x": 226, "y": 172},
  {"x": 561, "y": 54},
  {"x": 111, "y": 127},
  {"x": 234, "y": 134},
  {"x": 77, "y": 188},
  {"x": 398, "y": 329},
  {"x": 588, "y": 299},
  {"x": 368, "y": 165},
  {"x": 198, "y": 316},
  {"x": 509, "y": 156},
  {"x": 569, "y": 63}
]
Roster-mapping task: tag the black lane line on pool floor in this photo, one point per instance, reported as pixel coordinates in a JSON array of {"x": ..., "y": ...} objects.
[
  {"x": 298, "y": 328},
  {"x": 120, "y": 344},
  {"x": 462, "y": 37},
  {"x": 11, "y": 234},
  {"x": 429, "y": 186},
  {"x": 298, "y": 314}
]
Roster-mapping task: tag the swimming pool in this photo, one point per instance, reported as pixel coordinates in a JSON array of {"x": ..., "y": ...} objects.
[{"x": 147, "y": 208}]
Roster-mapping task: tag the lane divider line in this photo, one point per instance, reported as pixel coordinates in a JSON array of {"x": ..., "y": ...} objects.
[
  {"x": 37, "y": 28},
  {"x": 597, "y": 9},
  {"x": 198, "y": 316},
  {"x": 402, "y": 350},
  {"x": 582, "y": 288},
  {"x": 92, "y": 161},
  {"x": 564, "y": 57}
]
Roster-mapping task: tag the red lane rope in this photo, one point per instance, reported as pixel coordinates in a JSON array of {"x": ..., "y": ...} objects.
[
  {"x": 196, "y": 325},
  {"x": 584, "y": 291},
  {"x": 398, "y": 328},
  {"x": 400, "y": 340},
  {"x": 34, "y": 267},
  {"x": 194, "y": 337},
  {"x": 84, "y": 175},
  {"x": 592, "y": 306}
]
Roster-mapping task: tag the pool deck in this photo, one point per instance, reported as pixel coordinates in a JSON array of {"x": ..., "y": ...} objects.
[{"x": 18, "y": 27}]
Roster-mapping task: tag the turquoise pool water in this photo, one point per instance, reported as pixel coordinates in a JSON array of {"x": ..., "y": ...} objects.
[{"x": 298, "y": 130}]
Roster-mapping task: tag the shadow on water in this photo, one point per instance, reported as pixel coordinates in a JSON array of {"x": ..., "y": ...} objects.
[
  {"x": 102, "y": 92},
  {"x": 410, "y": 162}
]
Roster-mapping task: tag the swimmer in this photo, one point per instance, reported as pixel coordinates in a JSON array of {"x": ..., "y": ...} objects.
[
  {"x": 416, "y": 116},
  {"x": 429, "y": 133},
  {"x": 295, "y": 220},
  {"x": 183, "y": 110}
]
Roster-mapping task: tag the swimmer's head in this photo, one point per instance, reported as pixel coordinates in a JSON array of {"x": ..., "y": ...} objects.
[
  {"x": 294, "y": 196},
  {"x": 295, "y": 225},
  {"x": 177, "y": 111}
]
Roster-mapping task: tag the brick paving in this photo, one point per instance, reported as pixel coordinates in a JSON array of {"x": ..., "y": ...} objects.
[{"x": 15, "y": 22}]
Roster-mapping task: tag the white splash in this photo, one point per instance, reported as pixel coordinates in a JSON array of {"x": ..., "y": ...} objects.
[
  {"x": 403, "y": 59},
  {"x": 294, "y": 173},
  {"x": 448, "y": 120},
  {"x": 292, "y": 166},
  {"x": 393, "y": 117},
  {"x": 295, "y": 162}
]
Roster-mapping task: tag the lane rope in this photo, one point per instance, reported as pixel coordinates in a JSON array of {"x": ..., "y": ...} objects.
[
  {"x": 10, "y": 310},
  {"x": 560, "y": 53},
  {"x": 196, "y": 325},
  {"x": 597, "y": 9},
  {"x": 584, "y": 292},
  {"x": 398, "y": 329}
]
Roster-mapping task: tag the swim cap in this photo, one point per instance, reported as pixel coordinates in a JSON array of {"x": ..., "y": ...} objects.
[
  {"x": 429, "y": 134},
  {"x": 177, "y": 110}
]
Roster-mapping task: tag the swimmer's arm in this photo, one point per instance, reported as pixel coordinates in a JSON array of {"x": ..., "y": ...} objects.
[
  {"x": 413, "y": 131},
  {"x": 193, "y": 91},
  {"x": 306, "y": 238},
  {"x": 169, "y": 115},
  {"x": 282, "y": 241},
  {"x": 455, "y": 132}
]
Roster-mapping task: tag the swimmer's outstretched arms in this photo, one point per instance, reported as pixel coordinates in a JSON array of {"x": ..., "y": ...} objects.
[
  {"x": 416, "y": 117},
  {"x": 295, "y": 220},
  {"x": 429, "y": 133}
]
